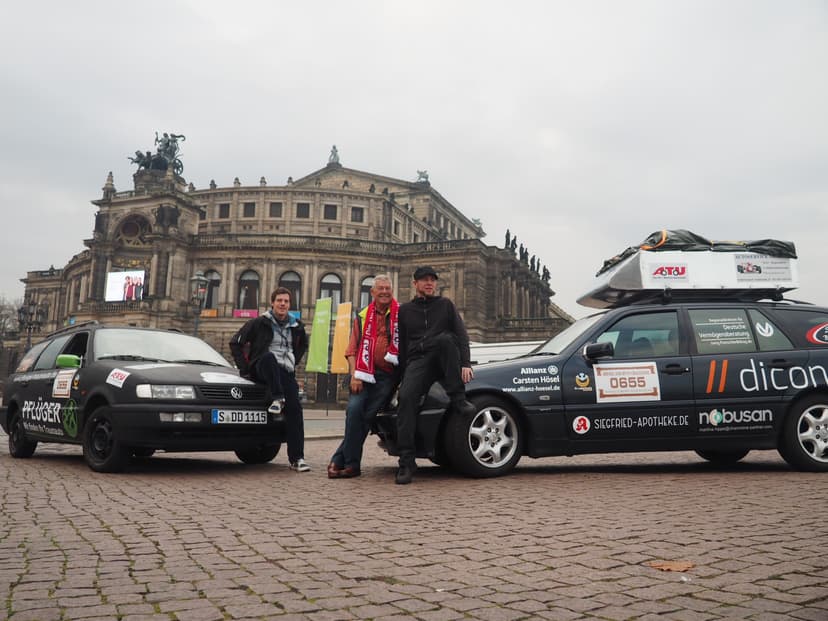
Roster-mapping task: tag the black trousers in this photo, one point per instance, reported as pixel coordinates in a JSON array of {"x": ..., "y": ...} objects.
[
  {"x": 441, "y": 363},
  {"x": 283, "y": 384}
]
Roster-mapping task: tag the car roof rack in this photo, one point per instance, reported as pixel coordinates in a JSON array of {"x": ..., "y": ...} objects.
[{"x": 728, "y": 272}]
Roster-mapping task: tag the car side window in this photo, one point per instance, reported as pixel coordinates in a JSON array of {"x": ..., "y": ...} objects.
[
  {"x": 644, "y": 335},
  {"x": 808, "y": 328},
  {"x": 77, "y": 346},
  {"x": 30, "y": 356},
  {"x": 721, "y": 330},
  {"x": 49, "y": 356},
  {"x": 768, "y": 336}
]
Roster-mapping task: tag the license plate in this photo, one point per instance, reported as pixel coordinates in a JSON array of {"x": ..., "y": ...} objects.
[{"x": 236, "y": 417}]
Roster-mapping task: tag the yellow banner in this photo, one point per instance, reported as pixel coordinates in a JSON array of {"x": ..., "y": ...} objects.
[{"x": 342, "y": 334}]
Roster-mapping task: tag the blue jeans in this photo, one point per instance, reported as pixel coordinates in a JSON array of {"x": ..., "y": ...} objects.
[{"x": 360, "y": 411}]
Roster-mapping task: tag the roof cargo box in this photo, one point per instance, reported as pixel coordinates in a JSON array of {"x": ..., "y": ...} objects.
[{"x": 673, "y": 265}]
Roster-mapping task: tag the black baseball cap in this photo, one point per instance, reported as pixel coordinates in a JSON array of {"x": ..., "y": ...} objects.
[{"x": 425, "y": 270}]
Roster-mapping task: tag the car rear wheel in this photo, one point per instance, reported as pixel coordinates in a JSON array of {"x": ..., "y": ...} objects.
[
  {"x": 804, "y": 443},
  {"x": 258, "y": 454},
  {"x": 101, "y": 449},
  {"x": 19, "y": 445},
  {"x": 486, "y": 443},
  {"x": 722, "y": 458}
]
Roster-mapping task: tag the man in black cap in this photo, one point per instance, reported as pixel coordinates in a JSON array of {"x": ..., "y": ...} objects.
[{"x": 434, "y": 346}]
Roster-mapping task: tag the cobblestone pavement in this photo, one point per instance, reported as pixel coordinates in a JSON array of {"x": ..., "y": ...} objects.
[{"x": 203, "y": 537}]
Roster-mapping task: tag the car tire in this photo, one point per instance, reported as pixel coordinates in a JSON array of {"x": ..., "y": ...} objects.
[
  {"x": 142, "y": 453},
  {"x": 258, "y": 454},
  {"x": 804, "y": 441},
  {"x": 102, "y": 451},
  {"x": 19, "y": 445},
  {"x": 487, "y": 443},
  {"x": 722, "y": 458}
]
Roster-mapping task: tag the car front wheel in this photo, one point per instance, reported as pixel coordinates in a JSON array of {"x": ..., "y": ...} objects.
[
  {"x": 804, "y": 443},
  {"x": 19, "y": 445},
  {"x": 486, "y": 443},
  {"x": 101, "y": 449},
  {"x": 258, "y": 454}
]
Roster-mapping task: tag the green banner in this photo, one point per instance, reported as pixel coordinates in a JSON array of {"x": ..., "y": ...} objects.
[{"x": 320, "y": 337}]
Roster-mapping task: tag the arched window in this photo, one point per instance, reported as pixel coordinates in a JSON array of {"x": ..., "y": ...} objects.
[
  {"x": 249, "y": 290},
  {"x": 331, "y": 287},
  {"x": 293, "y": 282},
  {"x": 213, "y": 282},
  {"x": 365, "y": 291}
]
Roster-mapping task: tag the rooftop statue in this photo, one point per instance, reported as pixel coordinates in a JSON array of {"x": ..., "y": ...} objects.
[
  {"x": 333, "y": 158},
  {"x": 422, "y": 175},
  {"x": 166, "y": 154}
]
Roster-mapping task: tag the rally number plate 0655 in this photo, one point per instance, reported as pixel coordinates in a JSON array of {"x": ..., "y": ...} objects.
[{"x": 236, "y": 417}]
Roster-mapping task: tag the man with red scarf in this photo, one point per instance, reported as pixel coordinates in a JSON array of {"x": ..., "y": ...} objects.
[{"x": 372, "y": 355}]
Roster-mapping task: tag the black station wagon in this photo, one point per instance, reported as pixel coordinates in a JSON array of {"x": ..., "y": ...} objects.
[
  {"x": 124, "y": 392},
  {"x": 720, "y": 377}
]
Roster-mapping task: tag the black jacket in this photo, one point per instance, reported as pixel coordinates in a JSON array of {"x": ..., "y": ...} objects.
[
  {"x": 253, "y": 340},
  {"x": 422, "y": 319}
]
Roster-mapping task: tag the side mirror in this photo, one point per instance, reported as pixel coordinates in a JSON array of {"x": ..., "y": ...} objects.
[
  {"x": 68, "y": 361},
  {"x": 594, "y": 351}
]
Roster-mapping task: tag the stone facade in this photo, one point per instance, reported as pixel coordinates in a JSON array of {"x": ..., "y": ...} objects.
[{"x": 324, "y": 235}]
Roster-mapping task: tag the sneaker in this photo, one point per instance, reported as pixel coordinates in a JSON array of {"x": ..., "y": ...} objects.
[
  {"x": 300, "y": 465},
  {"x": 276, "y": 407}
]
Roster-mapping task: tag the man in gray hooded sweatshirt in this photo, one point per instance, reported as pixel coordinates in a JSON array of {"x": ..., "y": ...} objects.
[{"x": 267, "y": 349}]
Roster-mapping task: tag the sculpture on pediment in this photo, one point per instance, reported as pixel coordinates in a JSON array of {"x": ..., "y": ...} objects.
[
  {"x": 165, "y": 157},
  {"x": 422, "y": 176},
  {"x": 333, "y": 158}
]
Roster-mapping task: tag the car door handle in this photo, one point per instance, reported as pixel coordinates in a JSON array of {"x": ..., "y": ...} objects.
[
  {"x": 674, "y": 369},
  {"x": 780, "y": 363}
]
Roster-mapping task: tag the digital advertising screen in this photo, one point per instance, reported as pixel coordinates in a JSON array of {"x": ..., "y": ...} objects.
[{"x": 125, "y": 286}]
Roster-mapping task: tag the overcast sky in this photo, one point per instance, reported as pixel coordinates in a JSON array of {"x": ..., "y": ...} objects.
[{"x": 581, "y": 126}]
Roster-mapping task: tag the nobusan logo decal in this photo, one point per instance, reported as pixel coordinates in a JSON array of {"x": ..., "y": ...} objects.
[{"x": 724, "y": 417}]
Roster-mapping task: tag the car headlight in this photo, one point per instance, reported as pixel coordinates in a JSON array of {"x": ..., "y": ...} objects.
[{"x": 164, "y": 391}]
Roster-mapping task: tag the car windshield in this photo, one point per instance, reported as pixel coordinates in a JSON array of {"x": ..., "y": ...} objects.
[
  {"x": 155, "y": 346},
  {"x": 566, "y": 337}
]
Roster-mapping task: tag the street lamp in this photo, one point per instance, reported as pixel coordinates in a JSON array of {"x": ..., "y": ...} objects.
[
  {"x": 198, "y": 292},
  {"x": 31, "y": 317}
]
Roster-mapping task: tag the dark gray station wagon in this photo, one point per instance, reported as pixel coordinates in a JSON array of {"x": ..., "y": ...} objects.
[
  {"x": 718, "y": 376},
  {"x": 124, "y": 392}
]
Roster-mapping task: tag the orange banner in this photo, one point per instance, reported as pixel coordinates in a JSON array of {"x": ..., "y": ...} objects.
[{"x": 342, "y": 334}]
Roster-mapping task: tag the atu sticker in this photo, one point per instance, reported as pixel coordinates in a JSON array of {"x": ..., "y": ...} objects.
[
  {"x": 117, "y": 377},
  {"x": 622, "y": 383},
  {"x": 818, "y": 335}
]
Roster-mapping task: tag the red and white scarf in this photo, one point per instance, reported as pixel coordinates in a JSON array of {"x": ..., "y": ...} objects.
[{"x": 365, "y": 355}]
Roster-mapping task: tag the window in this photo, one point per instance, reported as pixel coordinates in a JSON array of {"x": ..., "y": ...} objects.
[
  {"x": 275, "y": 210},
  {"x": 224, "y": 211},
  {"x": 202, "y": 212},
  {"x": 48, "y": 358},
  {"x": 293, "y": 282},
  {"x": 416, "y": 237},
  {"x": 249, "y": 210},
  {"x": 768, "y": 336},
  {"x": 303, "y": 210},
  {"x": 329, "y": 212},
  {"x": 357, "y": 214},
  {"x": 644, "y": 335},
  {"x": 331, "y": 287},
  {"x": 213, "y": 282},
  {"x": 721, "y": 331},
  {"x": 396, "y": 228},
  {"x": 365, "y": 291},
  {"x": 808, "y": 328},
  {"x": 249, "y": 290}
]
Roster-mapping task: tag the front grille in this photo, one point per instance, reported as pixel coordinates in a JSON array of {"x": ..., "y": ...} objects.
[{"x": 221, "y": 392}]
